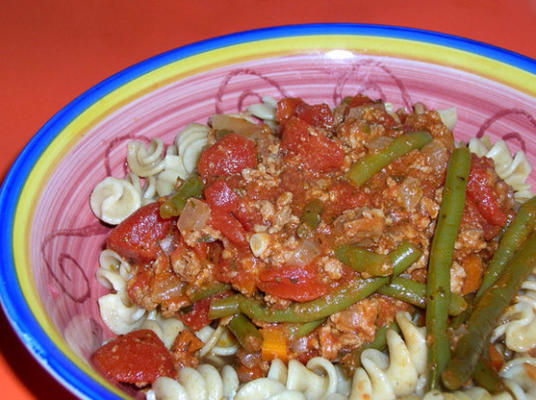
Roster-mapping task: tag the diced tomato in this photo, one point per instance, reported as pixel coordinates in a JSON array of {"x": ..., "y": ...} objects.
[
  {"x": 229, "y": 155},
  {"x": 345, "y": 196},
  {"x": 229, "y": 226},
  {"x": 293, "y": 283},
  {"x": 248, "y": 215},
  {"x": 482, "y": 194},
  {"x": 317, "y": 152},
  {"x": 286, "y": 108},
  {"x": 137, "y": 237},
  {"x": 139, "y": 357},
  {"x": 318, "y": 115},
  {"x": 359, "y": 100},
  {"x": 221, "y": 196},
  {"x": 197, "y": 317},
  {"x": 240, "y": 271}
]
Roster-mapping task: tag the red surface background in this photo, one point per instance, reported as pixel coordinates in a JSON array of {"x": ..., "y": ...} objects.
[{"x": 52, "y": 51}]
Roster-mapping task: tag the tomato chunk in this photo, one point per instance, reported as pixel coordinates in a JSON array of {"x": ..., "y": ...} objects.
[
  {"x": 229, "y": 155},
  {"x": 481, "y": 192},
  {"x": 139, "y": 358},
  {"x": 316, "y": 151},
  {"x": 137, "y": 237},
  {"x": 221, "y": 196},
  {"x": 293, "y": 283},
  {"x": 197, "y": 317},
  {"x": 318, "y": 115},
  {"x": 229, "y": 226}
]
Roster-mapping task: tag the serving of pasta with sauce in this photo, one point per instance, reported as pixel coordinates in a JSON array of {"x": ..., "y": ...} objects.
[{"x": 296, "y": 251}]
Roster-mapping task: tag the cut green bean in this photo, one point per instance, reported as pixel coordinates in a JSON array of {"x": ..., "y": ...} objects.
[
  {"x": 487, "y": 311},
  {"x": 312, "y": 212},
  {"x": 245, "y": 333},
  {"x": 220, "y": 308},
  {"x": 517, "y": 232},
  {"x": 351, "y": 361},
  {"x": 191, "y": 187},
  {"x": 338, "y": 300},
  {"x": 361, "y": 171},
  {"x": 206, "y": 292},
  {"x": 414, "y": 293},
  {"x": 486, "y": 377},
  {"x": 362, "y": 260},
  {"x": 296, "y": 331},
  {"x": 440, "y": 261}
]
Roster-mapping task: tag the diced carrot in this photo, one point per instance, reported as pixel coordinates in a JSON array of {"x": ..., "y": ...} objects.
[
  {"x": 496, "y": 359},
  {"x": 274, "y": 344},
  {"x": 473, "y": 270}
]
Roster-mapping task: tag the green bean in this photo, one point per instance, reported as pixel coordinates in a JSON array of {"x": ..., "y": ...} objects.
[
  {"x": 351, "y": 361},
  {"x": 191, "y": 187},
  {"x": 224, "y": 307},
  {"x": 246, "y": 333},
  {"x": 311, "y": 213},
  {"x": 296, "y": 331},
  {"x": 366, "y": 167},
  {"x": 205, "y": 292},
  {"x": 487, "y": 311},
  {"x": 440, "y": 261},
  {"x": 516, "y": 233},
  {"x": 338, "y": 300},
  {"x": 362, "y": 260},
  {"x": 488, "y": 378},
  {"x": 414, "y": 293}
]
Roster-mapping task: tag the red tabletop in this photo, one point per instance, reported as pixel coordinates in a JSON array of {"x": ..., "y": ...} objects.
[{"x": 53, "y": 50}]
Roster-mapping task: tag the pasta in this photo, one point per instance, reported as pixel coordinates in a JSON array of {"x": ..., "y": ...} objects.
[
  {"x": 255, "y": 236},
  {"x": 518, "y": 323},
  {"x": 399, "y": 374},
  {"x": 112, "y": 200},
  {"x": 519, "y": 374},
  {"x": 144, "y": 160}
]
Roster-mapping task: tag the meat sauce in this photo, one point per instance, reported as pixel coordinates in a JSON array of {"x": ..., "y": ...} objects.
[{"x": 262, "y": 184}]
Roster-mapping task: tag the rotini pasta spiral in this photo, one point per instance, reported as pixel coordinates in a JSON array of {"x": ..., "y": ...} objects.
[
  {"x": 399, "y": 374},
  {"x": 514, "y": 171},
  {"x": 203, "y": 383},
  {"x": 520, "y": 377},
  {"x": 166, "y": 329},
  {"x": 144, "y": 160},
  {"x": 181, "y": 159},
  {"x": 113, "y": 200},
  {"x": 518, "y": 323},
  {"x": 119, "y": 315}
]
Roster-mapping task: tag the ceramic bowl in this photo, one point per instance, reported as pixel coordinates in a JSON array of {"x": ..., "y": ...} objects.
[{"x": 51, "y": 241}]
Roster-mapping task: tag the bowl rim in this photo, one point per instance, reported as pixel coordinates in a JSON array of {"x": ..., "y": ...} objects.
[{"x": 12, "y": 300}]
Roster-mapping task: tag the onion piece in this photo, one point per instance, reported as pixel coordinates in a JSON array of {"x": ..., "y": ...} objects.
[
  {"x": 237, "y": 125},
  {"x": 306, "y": 252},
  {"x": 194, "y": 216}
]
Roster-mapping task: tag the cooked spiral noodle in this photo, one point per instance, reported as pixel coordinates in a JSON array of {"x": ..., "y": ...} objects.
[
  {"x": 190, "y": 143},
  {"x": 518, "y": 323},
  {"x": 265, "y": 110},
  {"x": 203, "y": 383},
  {"x": 147, "y": 190},
  {"x": 399, "y": 374},
  {"x": 515, "y": 171},
  {"x": 519, "y": 375},
  {"x": 113, "y": 200},
  {"x": 218, "y": 342},
  {"x": 166, "y": 329},
  {"x": 144, "y": 160},
  {"x": 474, "y": 393}
]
